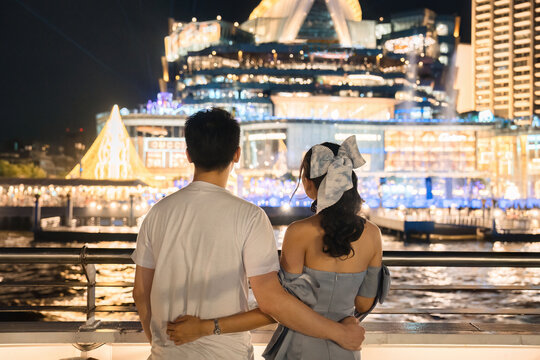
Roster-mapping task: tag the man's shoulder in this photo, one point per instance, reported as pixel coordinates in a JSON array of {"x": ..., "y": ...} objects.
[
  {"x": 247, "y": 210},
  {"x": 249, "y": 206},
  {"x": 167, "y": 201},
  {"x": 233, "y": 201}
]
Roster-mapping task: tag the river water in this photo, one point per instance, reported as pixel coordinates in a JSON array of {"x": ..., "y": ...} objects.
[{"x": 398, "y": 299}]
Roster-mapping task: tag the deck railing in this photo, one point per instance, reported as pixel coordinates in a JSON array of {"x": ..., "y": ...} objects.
[{"x": 88, "y": 258}]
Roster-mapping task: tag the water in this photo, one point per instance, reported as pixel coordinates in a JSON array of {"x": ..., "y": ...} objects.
[{"x": 397, "y": 299}]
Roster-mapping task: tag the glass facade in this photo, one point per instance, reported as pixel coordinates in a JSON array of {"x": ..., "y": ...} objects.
[
  {"x": 430, "y": 151},
  {"x": 318, "y": 24}
]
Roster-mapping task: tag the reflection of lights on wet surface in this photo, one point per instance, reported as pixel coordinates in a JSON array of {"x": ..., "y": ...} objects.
[
  {"x": 499, "y": 246},
  {"x": 505, "y": 276}
]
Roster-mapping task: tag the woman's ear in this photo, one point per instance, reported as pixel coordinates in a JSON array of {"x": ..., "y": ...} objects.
[
  {"x": 309, "y": 188},
  {"x": 188, "y": 157}
]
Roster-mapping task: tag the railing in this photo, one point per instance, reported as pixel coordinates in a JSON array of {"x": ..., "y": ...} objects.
[{"x": 89, "y": 257}]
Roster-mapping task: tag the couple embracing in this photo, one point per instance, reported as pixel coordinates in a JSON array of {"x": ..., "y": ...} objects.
[{"x": 199, "y": 248}]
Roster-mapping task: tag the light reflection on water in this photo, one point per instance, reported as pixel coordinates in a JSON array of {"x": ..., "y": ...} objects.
[{"x": 398, "y": 298}]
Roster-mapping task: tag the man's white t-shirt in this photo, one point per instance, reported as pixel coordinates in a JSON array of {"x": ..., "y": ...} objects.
[{"x": 203, "y": 243}]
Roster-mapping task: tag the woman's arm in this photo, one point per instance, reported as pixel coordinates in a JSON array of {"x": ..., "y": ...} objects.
[
  {"x": 362, "y": 303},
  {"x": 189, "y": 328}
]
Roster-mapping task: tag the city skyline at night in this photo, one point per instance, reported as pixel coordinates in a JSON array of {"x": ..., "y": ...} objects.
[{"x": 166, "y": 165}]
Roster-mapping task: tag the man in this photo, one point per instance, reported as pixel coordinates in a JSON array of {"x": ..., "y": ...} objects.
[{"x": 198, "y": 247}]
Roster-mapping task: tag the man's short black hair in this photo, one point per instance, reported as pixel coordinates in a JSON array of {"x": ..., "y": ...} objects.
[{"x": 212, "y": 137}]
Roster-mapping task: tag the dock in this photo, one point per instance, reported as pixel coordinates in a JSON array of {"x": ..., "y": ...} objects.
[
  {"x": 52, "y": 230},
  {"x": 450, "y": 228},
  {"x": 86, "y": 234}
]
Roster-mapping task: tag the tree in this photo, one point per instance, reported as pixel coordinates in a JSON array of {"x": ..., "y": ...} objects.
[{"x": 27, "y": 170}]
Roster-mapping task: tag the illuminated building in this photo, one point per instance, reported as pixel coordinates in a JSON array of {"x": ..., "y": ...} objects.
[
  {"x": 506, "y": 46},
  {"x": 301, "y": 82}
]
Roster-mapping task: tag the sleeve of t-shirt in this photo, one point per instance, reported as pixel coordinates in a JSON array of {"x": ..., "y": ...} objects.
[
  {"x": 260, "y": 251},
  {"x": 143, "y": 254}
]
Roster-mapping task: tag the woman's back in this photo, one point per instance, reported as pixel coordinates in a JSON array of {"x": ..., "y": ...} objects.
[
  {"x": 365, "y": 248},
  {"x": 339, "y": 281}
]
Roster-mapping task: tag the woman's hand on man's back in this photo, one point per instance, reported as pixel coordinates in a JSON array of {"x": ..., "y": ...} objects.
[
  {"x": 188, "y": 328},
  {"x": 353, "y": 334}
]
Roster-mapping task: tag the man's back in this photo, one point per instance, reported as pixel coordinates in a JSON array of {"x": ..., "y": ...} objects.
[{"x": 203, "y": 243}]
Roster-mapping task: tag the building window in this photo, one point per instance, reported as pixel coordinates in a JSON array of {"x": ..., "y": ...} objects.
[
  {"x": 443, "y": 59},
  {"x": 443, "y": 48},
  {"x": 442, "y": 29}
]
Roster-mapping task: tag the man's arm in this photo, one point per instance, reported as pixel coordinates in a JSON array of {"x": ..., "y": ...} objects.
[
  {"x": 294, "y": 314},
  {"x": 144, "y": 278}
]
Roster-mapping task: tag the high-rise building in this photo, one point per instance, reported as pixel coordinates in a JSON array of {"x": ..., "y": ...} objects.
[{"x": 506, "y": 48}]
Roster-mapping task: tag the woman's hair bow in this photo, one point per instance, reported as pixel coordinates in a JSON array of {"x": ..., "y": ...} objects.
[{"x": 338, "y": 170}]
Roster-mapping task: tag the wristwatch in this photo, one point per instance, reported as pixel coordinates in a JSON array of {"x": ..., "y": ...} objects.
[{"x": 217, "y": 329}]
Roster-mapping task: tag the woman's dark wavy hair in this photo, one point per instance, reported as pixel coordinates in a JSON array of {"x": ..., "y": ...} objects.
[{"x": 341, "y": 223}]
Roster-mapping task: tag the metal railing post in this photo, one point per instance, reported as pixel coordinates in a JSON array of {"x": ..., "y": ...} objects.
[
  {"x": 131, "y": 211},
  {"x": 90, "y": 273},
  {"x": 69, "y": 210},
  {"x": 37, "y": 214}
]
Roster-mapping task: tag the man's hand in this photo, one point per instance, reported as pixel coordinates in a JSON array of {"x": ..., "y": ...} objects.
[
  {"x": 188, "y": 328},
  {"x": 353, "y": 334}
]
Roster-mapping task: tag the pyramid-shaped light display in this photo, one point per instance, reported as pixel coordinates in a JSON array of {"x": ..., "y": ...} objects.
[{"x": 112, "y": 156}]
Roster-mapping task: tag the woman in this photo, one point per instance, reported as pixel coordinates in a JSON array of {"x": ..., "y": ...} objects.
[{"x": 331, "y": 260}]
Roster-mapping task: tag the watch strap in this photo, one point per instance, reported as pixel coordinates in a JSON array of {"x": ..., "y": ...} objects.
[{"x": 217, "y": 329}]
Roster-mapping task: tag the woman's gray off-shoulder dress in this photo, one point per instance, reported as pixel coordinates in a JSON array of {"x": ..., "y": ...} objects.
[{"x": 331, "y": 295}]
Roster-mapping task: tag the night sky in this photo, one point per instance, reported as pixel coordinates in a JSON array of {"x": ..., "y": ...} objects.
[{"x": 63, "y": 61}]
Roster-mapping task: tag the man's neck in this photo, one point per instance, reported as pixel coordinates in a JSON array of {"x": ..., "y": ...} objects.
[{"x": 216, "y": 177}]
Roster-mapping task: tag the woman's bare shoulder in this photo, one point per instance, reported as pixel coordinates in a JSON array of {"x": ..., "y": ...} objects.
[
  {"x": 372, "y": 233},
  {"x": 304, "y": 229},
  {"x": 371, "y": 227},
  {"x": 311, "y": 223}
]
